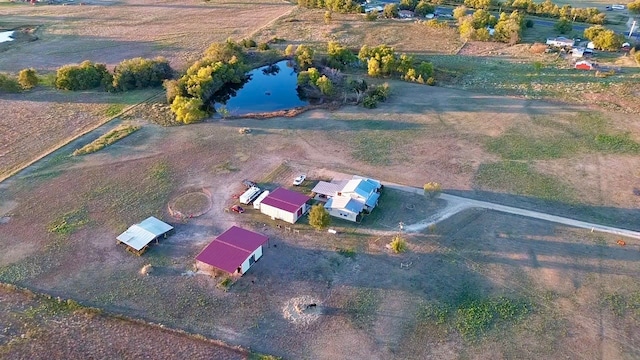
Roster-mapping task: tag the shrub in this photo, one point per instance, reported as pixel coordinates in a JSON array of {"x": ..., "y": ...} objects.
[
  {"x": 173, "y": 89},
  {"x": 85, "y": 76},
  {"x": 304, "y": 56},
  {"x": 390, "y": 11},
  {"x": 431, "y": 81},
  {"x": 423, "y": 8},
  {"x": 248, "y": 43},
  {"x": 224, "y": 51},
  {"x": 538, "y": 48},
  {"x": 9, "y": 84},
  {"x": 563, "y": 26},
  {"x": 433, "y": 23},
  {"x": 432, "y": 189},
  {"x": 263, "y": 47},
  {"x": 370, "y": 102},
  {"x": 398, "y": 244},
  {"x": 325, "y": 85},
  {"x": 371, "y": 16},
  {"x": 528, "y": 23},
  {"x": 139, "y": 73},
  {"x": 290, "y": 50},
  {"x": 28, "y": 78}
]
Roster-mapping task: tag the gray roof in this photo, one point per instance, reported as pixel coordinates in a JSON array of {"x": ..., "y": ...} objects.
[
  {"x": 345, "y": 203},
  {"x": 139, "y": 235},
  {"x": 328, "y": 188}
]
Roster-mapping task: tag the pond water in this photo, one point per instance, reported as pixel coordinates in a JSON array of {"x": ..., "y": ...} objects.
[
  {"x": 6, "y": 36},
  {"x": 269, "y": 88}
]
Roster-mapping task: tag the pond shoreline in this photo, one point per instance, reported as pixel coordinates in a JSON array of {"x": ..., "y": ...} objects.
[{"x": 289, "y": 113}]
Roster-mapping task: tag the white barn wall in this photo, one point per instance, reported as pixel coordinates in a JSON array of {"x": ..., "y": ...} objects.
[
  {"x": 277, "y": 213},
  {"x": 256, "y": 254}
]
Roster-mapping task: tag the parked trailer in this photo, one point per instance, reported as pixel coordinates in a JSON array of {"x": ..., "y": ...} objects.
[
  {"x": 248, "y": 196},
  {"x": 258, "y": 201}
]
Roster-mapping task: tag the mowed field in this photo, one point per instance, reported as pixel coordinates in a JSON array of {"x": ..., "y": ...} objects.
[
  {"x": 33, "y": 123},
  {"x": 546, "y": 291}
]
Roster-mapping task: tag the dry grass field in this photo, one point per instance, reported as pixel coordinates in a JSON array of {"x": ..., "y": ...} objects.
[
  {"x": 481, "y": 285},
  {"x": 547, "y": 291}
]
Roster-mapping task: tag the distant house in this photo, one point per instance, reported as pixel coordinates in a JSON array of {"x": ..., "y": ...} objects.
[
  {"x": 376, "y": 9},
  {"x": 234, "y": 252},
  {"x": 349, "y": 199},
  {"x": 285, "y": 205},
  {"x": 560, "y": 42},
  {"x": 584, "y": 65},
  {"x": 581, "y": 52},
  {"x": 138, "y": 237},
  {"x": 405, "y": 14}
]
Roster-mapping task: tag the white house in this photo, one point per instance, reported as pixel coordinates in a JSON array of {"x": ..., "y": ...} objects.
[
  {"x": 285, "y": 205},
  {"x": 349, "y": 199},
  {"x": 234, "y": 252},
  {"x": 560, "y": 42}
]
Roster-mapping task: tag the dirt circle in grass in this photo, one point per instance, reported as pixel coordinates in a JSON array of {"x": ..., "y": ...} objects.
[
  {"x": 302, "y": 310},
  {"x": 191, "y": 204}
]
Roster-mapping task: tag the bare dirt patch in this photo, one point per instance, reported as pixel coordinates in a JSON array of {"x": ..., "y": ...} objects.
[{"x": 190, "y": 204}]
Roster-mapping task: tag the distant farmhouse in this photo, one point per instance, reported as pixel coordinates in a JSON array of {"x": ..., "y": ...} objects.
[
  {"x": 349, "y": 199},
  {"x": 560, "y": 42},
  {"x": 286, "y": 205},
  {"x": 138, "y": 237},
  {"x": 232, "y": 252}
]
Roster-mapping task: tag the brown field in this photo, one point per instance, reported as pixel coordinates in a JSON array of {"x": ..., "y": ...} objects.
[
  {"x": 37, "y": 327},
  {"x": 559, "y": 292},
  {"x": 579, "y": 287}
]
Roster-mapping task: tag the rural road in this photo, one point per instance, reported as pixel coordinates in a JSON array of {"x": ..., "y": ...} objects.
[{"x": 456, "y": 204}]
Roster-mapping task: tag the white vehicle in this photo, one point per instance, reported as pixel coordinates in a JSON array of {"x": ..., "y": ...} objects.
[
  {"x": 251, "y": 194},
  {"x": 617, "y": 7},
  {"x": 299, "y": 180}
]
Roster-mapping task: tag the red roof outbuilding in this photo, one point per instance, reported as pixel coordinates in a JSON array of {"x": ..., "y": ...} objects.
[
  {"x": 231, "y": 248},
  {"x": 286, "y": 200}
]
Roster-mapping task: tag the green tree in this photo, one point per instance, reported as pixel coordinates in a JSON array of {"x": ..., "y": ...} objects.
[
  {"x": 466, "y": 29},
  {"x": 482, "y": 18},
  {"x": 139, "y": 73},
  {"x": 460, "y": 12},
  {"x": 390, "y": 11},
  {"x": 373, "y": 67},
  {"x": 338, "y": 56},
  {"x": 509, "y": 28},
  {"x": 28, "y": 78},
  {"x": 224, "y": 51},
  {"x": 188, "y": 109},
  {"x": 634, "y": 7},
  {"x": 592, "y": 32},
  {"x": 408, "y": 4},
  {"x": 325, "y": 85},
  {"x": 308, "y": 77},
  {"x": 563, "y": 26},
  {"x": 173, "y": 88},
  {"x": 608, "y": 40},
  {"x": 85, "y": 76},
  {"x": 424, "y": 7},
  {"x": 319, "y": 217},
  {"x": 482, "y": 35},
  {"x": 290, "y": 50},
  {"x": 304, "y": 56}
]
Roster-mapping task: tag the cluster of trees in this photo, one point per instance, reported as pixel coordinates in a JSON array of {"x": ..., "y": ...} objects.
[
  {"x": 549, "y": 9},
  {"x": 383, "y": 61},
  {"x": 130, "y": 74},
  {"x": 634, "y": 7},
  {"x": 563, "y": 26},
  {"x": 191, "y": 95},
  {"x": 474, "y": 27},
  {"x": 27, "y": 79},
  {"x": 312, "y": 77},
  {"x": 87, "y": 75},
  {"x": 419, "y": 7},
  {"x": 544, "y": 9},
  {"x": 603, "y": 38},
  {"x": 341, "y": 6},
  {"x": 339, "y": 57}
]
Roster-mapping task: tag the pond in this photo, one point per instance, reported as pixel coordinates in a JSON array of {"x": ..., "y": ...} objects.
[
  {"x": 268, "y": 88},
  {"x": 6, "y": 36}
]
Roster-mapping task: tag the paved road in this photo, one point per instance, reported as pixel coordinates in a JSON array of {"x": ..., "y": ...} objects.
[{"x": 457, "y": 204}]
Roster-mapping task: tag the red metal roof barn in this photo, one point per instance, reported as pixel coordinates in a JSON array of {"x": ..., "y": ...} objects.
[
  {"x": 285, "y": 205},
  {"x": 233, "y": 251}
]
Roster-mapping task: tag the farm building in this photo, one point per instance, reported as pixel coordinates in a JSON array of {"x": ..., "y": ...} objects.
[
  {"x": 560, "y": 42},
  {"x": 138, "y": 237},
  {"x": 348, "y": 199},
  {"x": 285, "y": 205},
  {"x": 234, "y": 252},
  {"x": 584, "y": 65}
]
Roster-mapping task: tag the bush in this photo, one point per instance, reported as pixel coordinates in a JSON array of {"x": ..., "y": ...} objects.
[
  {"x": 390, "y": 11},
  {"x": 398, "y": 244},
  {"x": 139, "y": 73},
  {"x": 325, "y": 85},
  {"x": 263, "y": 47},
  {"x": 431, "y": 81},
  {"x": 563, "y": 26},
  {"x": 9, "y": 84},
  {"x": 224, "y": 51},
  {"x": 370, "y": 102},
  {"x": 85, "y": 76},
  {"x": 304, "y": 56},
  {"x": 433, "y": 23},
  {"x": 528, "y": 23},
  {"x": 290, "y": 50},
  {"x": 372, "y": 16},
  {"x": 538, "y": 48},
  {"x": 432, "y": 189},
  {"x": 248, "y": 43},
  {"x": 28, "y": 78},
  {"x": 188, "y": 109}
]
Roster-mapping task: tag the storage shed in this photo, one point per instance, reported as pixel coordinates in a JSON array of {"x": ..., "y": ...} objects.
[
  {"x": 138, "y": 237},
  {"x": 234, "y": 252},
  {"x": 285, "y": 205}
]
